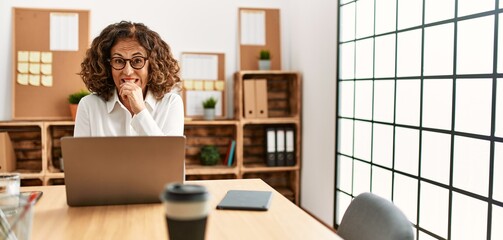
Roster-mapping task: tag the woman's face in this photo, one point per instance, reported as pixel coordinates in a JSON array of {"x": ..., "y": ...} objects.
[{"x": 131, "y": 55}]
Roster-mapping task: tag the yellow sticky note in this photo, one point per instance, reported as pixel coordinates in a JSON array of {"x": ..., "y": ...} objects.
[
  {"x": 35, "y": 68},
  {"x": 34, "y": 56},
  {"x": 22, "y": 56},
  {"x": 208, "y": 85},
  {"x": 34, "y": 80},
  {"x": 22, "y": 67},
  {"x": 188, "y": 84},
  {"x": 198, "y": 85},
  {"x": 220, "y": 85},
  {"x": 46, "y": 69},
  {"x": 47, "y": 81},
  {"x": 22, "y": 79},
  {"x": 46, "y": 57}
]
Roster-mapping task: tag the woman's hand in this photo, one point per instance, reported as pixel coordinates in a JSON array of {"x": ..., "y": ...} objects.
[{"x": 132, "y": 97}]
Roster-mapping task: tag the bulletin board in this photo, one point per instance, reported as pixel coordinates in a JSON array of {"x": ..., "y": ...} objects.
[
  {"x": 203, "y": 76},
  {"x": 259, "y": 29},
  {"x": 44, "y": 68}
]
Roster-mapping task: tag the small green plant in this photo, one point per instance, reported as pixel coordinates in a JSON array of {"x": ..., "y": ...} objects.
[
  {"x": 265, "y": 55},
  {"x": 211, "y": 102},
  {"x": 74, "y": 98},
  {"x": 209, "y": 155}
]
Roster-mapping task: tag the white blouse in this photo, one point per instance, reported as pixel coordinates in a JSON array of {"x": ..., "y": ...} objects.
[{"x": 96, "y": 117}]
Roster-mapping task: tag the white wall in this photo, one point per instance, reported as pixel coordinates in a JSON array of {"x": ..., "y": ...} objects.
[
  {"x": 308, "y": 45},
  {"x": 188, "y": 25},
  {"x": 313, "y": 53}
]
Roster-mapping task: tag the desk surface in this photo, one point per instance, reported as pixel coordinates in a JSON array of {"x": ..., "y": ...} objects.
[{"x": 284, "y": 220}]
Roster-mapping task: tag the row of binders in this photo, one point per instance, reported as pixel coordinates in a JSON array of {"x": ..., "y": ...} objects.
[
  {"x": 280, "y": 146},
  {"x": 255, "y": 98}
]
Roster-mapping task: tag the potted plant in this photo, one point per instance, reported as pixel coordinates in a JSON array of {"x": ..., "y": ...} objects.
[
  {"x": 74, "y": 99},
  {"x": 209, "y": 108},
  {"x": 209, "y": 155},
  {"x": 264, "y": 62}
]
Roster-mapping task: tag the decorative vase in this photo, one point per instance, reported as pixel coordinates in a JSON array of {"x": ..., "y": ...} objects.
[
  {"x": 209, "y": 114},
  {"x": 264, "y": 64},
  {"x": 73, "y": 110}
]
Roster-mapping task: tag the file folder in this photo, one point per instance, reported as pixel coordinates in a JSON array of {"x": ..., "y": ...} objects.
[
  {"x": 290, "y": 147},
  {"x": 271, "y": 147},
  {"x": 261, "y": 98},
  {"x": 280, "y": 147},
  {"x": 7, "y": 154},
  {"x": 249, "y": 98}
]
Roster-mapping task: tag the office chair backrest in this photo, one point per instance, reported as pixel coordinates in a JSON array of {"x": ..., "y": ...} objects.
[{"x": 370, "y": 217}]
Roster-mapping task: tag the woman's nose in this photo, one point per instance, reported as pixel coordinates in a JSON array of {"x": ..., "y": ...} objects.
[{"x": 128, "y": 70}]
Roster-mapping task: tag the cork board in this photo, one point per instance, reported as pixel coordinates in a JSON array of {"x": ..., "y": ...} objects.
[
  {"x": 41, "y": 84},
  {"x": 249, "y": 53},
  {"x": 203, "y": 76}
]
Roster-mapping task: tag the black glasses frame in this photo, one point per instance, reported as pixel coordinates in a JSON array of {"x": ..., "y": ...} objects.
[{"x": 128, "y": 60}]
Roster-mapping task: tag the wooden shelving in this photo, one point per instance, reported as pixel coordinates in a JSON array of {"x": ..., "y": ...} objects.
[
  {"x": 284, "y": 111},
  {"x": 38, "y": 151}
]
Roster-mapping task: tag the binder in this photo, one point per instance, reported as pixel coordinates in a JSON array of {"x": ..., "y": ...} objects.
[
  {"x": 271, "y": 147},
  {"x": 230, "y": 160},
  {"x": 7, "y": 154},
  {"x": 290, "y": 147},
  {"x": 249, "y": 98},
  {"x": 261, "y": 98},
  {"x": 280, "y": 147}
]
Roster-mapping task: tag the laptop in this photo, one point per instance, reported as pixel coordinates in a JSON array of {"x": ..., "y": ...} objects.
[{"x": 121, "y": 170}]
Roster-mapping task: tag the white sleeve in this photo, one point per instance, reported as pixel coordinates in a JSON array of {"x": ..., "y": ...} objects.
[
  {"x": 82, "y": 122},
  {"x": 169, "y": 122}
]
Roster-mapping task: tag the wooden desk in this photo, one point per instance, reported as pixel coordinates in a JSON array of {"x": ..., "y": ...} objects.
[{"x": 284, "y": 220}]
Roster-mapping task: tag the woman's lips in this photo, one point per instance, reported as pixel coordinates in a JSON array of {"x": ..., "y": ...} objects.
[{"x": 131, "y": 80}]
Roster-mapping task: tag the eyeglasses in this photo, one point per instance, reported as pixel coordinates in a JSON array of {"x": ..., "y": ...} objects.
[{"x": 119, "y": 63}]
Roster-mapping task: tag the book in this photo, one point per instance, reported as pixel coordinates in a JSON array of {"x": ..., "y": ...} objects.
[
  {"x": 230, "y": 159},
  {"x": 226, "y": 159}
]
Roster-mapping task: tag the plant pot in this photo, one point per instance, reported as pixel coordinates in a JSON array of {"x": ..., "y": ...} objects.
[
  {"x": 264, "y": 64},
  {"x": 209, "y": 114},
  {"x": 73, "y": 110}
]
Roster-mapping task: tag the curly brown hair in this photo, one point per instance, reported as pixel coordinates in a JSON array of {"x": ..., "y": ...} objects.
[{"x": 163, "y": 69}]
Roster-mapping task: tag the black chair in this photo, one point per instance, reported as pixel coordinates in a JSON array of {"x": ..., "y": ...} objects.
[{"x": 370, "y": 217}]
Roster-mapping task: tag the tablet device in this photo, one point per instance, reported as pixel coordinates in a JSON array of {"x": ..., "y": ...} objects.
[{"x": 246, "y": 200}]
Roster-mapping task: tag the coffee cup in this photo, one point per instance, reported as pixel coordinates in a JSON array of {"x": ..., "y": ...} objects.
[{"x": 187, "y": 208}]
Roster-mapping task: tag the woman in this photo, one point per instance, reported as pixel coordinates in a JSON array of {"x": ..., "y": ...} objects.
[{"x": 134, "y": 80}]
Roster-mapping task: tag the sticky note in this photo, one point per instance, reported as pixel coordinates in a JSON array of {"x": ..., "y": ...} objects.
[
  {"x": 34, "y": 56},
  {"x": 220, "y": 85},
  {"x": 188, "y": 84},
  {"x": 47, "y": 81},
  {"x": 22, "y": 79},
  {"x": 34, "y": 80},
  {"x": 198, "y": 85},
  {"x": 46, "y": 57},
  {"x": 46, "y": 69},
  {"x": 208, "y": 85},
  {"x": 22, "y": 67},
  {"x": 35, "y": 68},
  {"x": 22, "y": 56}
]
